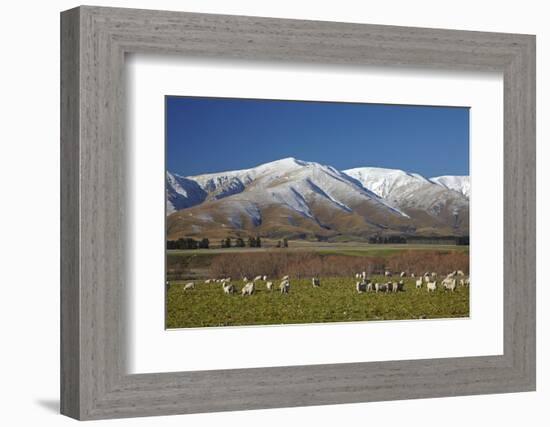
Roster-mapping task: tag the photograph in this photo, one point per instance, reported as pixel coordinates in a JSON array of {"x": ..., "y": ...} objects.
[{"x": 283, "y": 212}]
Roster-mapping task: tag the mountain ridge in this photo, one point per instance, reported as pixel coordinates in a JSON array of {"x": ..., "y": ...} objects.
[{"x": 298, "y": 199}]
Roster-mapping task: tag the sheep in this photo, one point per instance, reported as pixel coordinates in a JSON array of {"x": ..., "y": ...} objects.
[
  {"x": 284, "y": 278},
  {"x": 380, "y": 287},
  {"x": 419, "y": 284},
  {"x": 467, "y": 281},
  {"x": 462, "y": 282},
  {"x": 369, "y": 286},
  {"x": 248, "y": 289},
  {"x": 403, "y": 274},
  {"x": 229, "y": 288},
  {"x": 284, "y": 287},
  {"x": 264, "y": 278},
  {"x": 460, "y": 273},
  {"x": 399, "y": 286},
  {"x": 364, "y": 275},
  {"x": 269, "y": 286},
  {"x": 431, "y": 286},
  {"x": 361, "y": 287},
  {"x": 245, "y": 279},
  {"x": 412, "y": 276},
  {"x": 450, "y": 285},
  {"x": 207, "y": 281},
  {"x": 387, "y": 273},
  {"x": 357, "y": 275},
  {"x": 434, "y": 274},
  {"x": 316, "y": 282},
  {"x": 427, "y": 278},
  {"x": 258, "y": 278},
  {"x": 189, "y": 286}
]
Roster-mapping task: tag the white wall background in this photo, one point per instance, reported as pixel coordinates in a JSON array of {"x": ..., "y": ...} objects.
[{"x": 29, "y": 190}]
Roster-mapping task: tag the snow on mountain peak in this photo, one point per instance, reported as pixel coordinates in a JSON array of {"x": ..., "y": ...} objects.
[{"x": 454, "y": 182}]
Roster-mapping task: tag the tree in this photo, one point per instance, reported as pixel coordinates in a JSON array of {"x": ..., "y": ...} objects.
[
  {"x": 204, "y": 243},
  {"x": 228, "y": 242},
  {"x": 279, "y": 244},
  {"x": 252, "y": 242},
  {"x": 258, "y": 242},
  {"x": 239, "y": 243},
  {"x": 285, "y": 242},
  {"x": 222, "y": 243}
]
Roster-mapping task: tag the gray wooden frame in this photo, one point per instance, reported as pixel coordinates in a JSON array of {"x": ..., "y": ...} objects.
[{"x": 94, "y": 382}]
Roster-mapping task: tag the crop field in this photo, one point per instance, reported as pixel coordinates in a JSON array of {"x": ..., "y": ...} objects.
[{"x": 336, "y": 300}]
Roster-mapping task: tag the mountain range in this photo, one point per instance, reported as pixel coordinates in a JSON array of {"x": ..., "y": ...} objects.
[{"x": 306, "y": 200}]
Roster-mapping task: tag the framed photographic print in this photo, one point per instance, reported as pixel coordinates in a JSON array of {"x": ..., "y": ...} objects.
[{"x": 292, "y": 213}]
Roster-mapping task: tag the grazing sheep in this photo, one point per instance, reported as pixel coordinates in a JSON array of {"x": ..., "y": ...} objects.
[
  {"x": 431, "y": 286},
  {"x": 284, "y": 287},
  {"x": 412, "y": 276},
  {"x": 450, "y": 285},
  {"x": 357, "y": 275},
  {"x": 419, "y": 284},
  {"x": 316, "y": 282},
  {"x": 462, "y": 282},
  {"x": 245, "y": 279},
  {"x": 361, "y": 287},
  {"x": 467, "y": 281},
  {"x": 460, "y": 273},
  {"x": 369, "y": 286},
  {"x": 248, "y": 289},
  {"x": 434, "y": 274},
  {"x": 188, "y": 286},
  {"x": 264, "y": 278},
  {"x": 387, "y": 273},
  {"x": 229, "y": 288},
  {"x": 269, "y": 286},
  {"x": 427, "y": 278},
  {"x": 284, "y": 278},
  {"x": 380, "y": 287},
  {"x": 257, "y": 278},
  {"x": 399, "y": 286},
  {"x": 403, "y": 274},
  {"x": 207, "y": 281}
]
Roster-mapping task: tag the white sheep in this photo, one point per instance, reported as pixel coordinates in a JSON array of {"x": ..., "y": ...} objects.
[
  {"x": 269, "y": 286},
  {"x": 399, "y": 286},
  {"x": 419, "y": 284},
  {"x": 316, "y": 282},
  {"x": 460, "y": 273},
  {"x": 431, "y": 286},
  {"x": 248, "y": 289},
  {"x": 434, "y": 274},
  {"x": 450, "y": 285},
  {"x": 284, "y": 287},
  {"x": 245, "y": 279},
  {"x": 387, "y": 273},
  {"x": 412, "y": 276},
  {"x": 403, "y": 274},
  {"x": 264, "y": 278},
  {"x": 380, "y": 287},
  {"x": 207, "y": 281},
  {"x": 257, "y": 278},
  {"x": 188, "y": 286},
  {"x": 229, "y": 288},
  {"x": 357, "y": 275},
  {"x": 361, "y": 287},
  {"x": 369, "y": 286},
  {"x": 364, "y": 275},
  {"x": 427, "y": 278},
  {"x": 284, "y": 278}
]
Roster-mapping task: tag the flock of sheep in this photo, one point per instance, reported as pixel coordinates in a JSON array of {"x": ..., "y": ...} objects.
[{"x": 450, "y": 282}]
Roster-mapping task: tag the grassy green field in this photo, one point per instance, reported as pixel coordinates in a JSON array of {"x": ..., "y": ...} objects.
[{"x": 335, "y": 301}]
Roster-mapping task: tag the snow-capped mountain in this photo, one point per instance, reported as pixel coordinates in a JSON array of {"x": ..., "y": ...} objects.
[
  {"x": 305, "y": 199},
  {"x": 454, "y": 182}
]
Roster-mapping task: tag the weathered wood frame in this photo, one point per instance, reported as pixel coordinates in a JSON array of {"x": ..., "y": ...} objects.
[{"x": 94, "y": 41}]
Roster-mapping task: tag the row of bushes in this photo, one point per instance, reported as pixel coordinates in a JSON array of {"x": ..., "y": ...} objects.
[{"x": 308, "y": 264}]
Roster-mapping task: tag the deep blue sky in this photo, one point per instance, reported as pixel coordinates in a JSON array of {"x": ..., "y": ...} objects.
[{"x": 216, "y": 134}]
